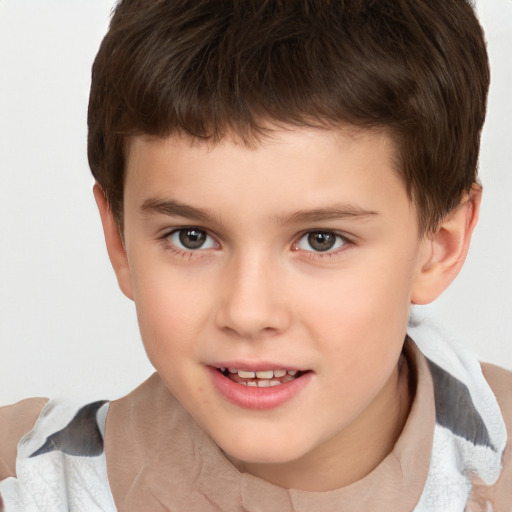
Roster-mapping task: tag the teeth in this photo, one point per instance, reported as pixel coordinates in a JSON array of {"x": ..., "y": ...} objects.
[
  {"x": 267, "y": 374},
  {"x": 263, "y": 374},
  {"x": 247, "y": 375}
]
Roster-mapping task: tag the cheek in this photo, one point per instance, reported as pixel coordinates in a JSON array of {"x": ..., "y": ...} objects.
[
  {"x": 361, "y": 294},
  {"x": 170, "y": 313},
  {"x": 367, "y": 305}
]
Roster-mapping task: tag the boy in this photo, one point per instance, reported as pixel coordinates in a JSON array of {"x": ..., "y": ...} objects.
[{"x": 278, "y": 182}]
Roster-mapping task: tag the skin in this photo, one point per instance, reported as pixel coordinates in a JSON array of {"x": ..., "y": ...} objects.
[{"x": 257, "y": 291}]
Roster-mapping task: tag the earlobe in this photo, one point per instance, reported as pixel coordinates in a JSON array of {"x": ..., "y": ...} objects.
[
  {"x": 445, "y": 251},
  {"x": 114, "y": 241}
]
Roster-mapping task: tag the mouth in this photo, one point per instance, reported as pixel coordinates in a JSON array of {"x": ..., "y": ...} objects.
[
  {"x": 261, "y": 378},
  {"x": 259, "y": 388}
]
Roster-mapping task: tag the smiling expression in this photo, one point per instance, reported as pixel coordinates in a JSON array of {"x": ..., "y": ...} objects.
[{"x": 296, "y": 258}]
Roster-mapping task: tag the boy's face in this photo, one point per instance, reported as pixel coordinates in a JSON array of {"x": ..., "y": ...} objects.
[{"x": 300, "y": 255}]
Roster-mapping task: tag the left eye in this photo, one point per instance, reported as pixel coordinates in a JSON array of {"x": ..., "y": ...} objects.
[
  {"x": 191, "y": 239},
  {"x": 320, "y": 241}
]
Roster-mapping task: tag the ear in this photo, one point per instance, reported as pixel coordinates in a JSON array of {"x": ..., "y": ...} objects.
[
  {"x": 445, "y": 251},
  {"x": 114, "y": 241}
]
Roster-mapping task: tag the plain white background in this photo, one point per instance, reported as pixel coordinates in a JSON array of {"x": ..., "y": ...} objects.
[{"x": 65, "y": 328}]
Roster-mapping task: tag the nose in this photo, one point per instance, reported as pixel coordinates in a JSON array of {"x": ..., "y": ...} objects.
[{"x": 253, "y": 299}]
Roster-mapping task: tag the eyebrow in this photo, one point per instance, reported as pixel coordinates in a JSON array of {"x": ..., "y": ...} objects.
[
  {"x": 176, "y": 208},
  {"x": 334, "y": 212}
]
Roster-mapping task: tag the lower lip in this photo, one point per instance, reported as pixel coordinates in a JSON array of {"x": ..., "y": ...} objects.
[{"x": 258, "y": 398}]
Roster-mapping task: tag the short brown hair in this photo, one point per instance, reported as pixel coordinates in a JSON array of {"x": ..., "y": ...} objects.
[{"x": 208, "y": 67}]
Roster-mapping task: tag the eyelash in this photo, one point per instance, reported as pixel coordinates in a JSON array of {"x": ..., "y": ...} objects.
[
  {"x": 329, "y": 253},
  {"x": 190, "y": 253},
  {"x": 312, "y": 254}
]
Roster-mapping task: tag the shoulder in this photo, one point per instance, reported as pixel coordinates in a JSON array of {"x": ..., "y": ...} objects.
[
  {"x": 497, "y": 496},
  {"x": 15, "y": 421},
  {"x": 500, "y": 381},
  {"x": 471, "y": 453},
  {"x": 56, "y": 461}
]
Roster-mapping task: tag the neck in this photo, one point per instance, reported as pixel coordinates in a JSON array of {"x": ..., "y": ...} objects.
[{"x": 351, "y": 454}]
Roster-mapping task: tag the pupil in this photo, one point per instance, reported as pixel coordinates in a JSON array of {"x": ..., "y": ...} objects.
[
  {"x": 321, "y": 240},
  {"x": 192, "y": 238}
]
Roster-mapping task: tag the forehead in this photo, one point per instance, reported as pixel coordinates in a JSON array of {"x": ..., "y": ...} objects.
[{"x": 289, "y": 168}]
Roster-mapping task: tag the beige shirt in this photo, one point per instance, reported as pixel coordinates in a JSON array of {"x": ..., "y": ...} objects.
[{"x": 158, "y": 459}]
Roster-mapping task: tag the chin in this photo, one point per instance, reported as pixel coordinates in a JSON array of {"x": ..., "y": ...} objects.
[{"x": 275, "y": 452}]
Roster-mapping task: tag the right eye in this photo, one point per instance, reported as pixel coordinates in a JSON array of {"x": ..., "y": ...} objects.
[{"x": 191, "y": 239}]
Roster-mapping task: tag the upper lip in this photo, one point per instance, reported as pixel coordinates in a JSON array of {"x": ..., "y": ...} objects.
[{"x": 256, "y": 366}]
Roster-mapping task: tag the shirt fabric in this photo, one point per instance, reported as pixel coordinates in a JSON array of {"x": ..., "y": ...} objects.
[{"x": 145, "y": 453}]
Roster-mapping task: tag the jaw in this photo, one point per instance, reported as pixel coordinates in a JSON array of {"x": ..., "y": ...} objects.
[{"x": 354, "y": 452}]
